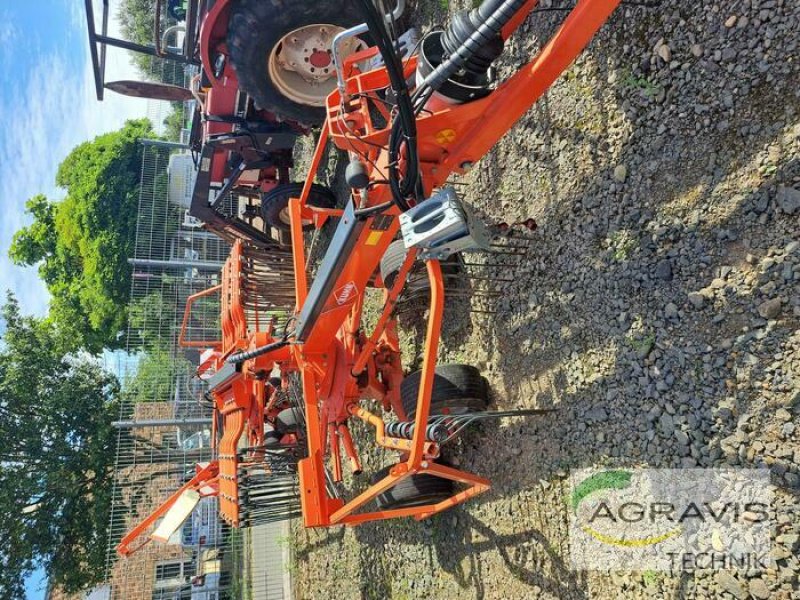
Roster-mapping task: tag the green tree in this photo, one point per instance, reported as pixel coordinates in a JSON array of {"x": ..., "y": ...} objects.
[
  {"x": 56, "y": 456},
  {"x": 174, "y": 123},
  {"x": 151, "y": 319},
  {"x": 157, "y": 374},
  {"x": 136, "y": 18},
  {"x": 82, "y": 243}
]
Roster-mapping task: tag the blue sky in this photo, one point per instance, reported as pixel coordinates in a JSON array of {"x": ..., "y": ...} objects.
[
  {"x": 48, "y": 110},
  {"x": 47, "y": 107}
]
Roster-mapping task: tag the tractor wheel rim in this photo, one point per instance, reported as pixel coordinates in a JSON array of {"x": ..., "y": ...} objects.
[{"x": 301, "y": 65}]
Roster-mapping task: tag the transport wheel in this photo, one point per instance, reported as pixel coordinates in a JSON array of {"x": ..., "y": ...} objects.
[
  {"x": 289, "y": 420},
  {"x": 457, "y": 389},
  {"x": 412, "y": 491},
  {"x": 275, "y": 204},
  {"x": 393, "y": 259},
  {"x": 282, "y": 53},
  {"x": 271, "y": 437}
]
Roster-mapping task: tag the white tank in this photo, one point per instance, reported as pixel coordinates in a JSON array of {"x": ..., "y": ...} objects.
[{"x": 181, "y": 173}]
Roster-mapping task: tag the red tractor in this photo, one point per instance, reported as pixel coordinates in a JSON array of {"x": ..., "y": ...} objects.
[{"x": 265, "y": 70}]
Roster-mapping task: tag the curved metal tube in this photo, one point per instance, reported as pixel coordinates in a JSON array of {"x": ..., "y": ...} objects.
[{"x": 352, "y": 32}]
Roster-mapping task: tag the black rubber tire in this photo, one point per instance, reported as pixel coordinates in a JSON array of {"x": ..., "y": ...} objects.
[
  {"x": 455, "y": 387},
  {"x": 289, "y": 420},
  {"x": 256, "y": 26},
  {"x": 271, "y": 437},
  {"x": 412, "y": 491},
  {"x": 277, "y": 199},
  {"x": 393, "y": 259},
  {"x": 391, "y": 262}
]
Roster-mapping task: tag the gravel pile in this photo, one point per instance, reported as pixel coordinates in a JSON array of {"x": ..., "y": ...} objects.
[{"x": 657, "y": 311}]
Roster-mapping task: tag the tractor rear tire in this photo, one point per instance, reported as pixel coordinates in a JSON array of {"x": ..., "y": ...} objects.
[
  {"x": 275, "y": 203},
  {"x": 256, "y": 33},
  {"x": 416, "y": 490},
  {"x": 457, "y": 389}
]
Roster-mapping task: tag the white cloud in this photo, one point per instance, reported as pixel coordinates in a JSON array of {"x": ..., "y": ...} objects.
[
  {"x": 42, "y": 122},
  {"x": 9, "y": 33},
  {"x": 9, "y": 36}
]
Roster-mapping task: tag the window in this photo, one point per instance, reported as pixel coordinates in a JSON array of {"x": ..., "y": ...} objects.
[
  {"x": 168, "y": 571},
  {"x": 184, "y": 593},
  {"x": 174, "y": 574}
]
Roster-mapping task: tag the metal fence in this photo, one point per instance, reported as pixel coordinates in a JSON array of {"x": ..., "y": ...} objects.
[{"x": 164, "y": 421}]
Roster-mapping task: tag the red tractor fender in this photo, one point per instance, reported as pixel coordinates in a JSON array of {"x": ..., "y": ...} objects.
[{"x": 213, "y": 32}]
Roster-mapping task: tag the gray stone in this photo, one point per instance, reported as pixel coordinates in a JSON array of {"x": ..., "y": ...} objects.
[
  {"x": 620, "y": 173},
  {"x": 670, "y": 311},
  {"x": 664, "y": 269},
  {"x": 666, "y": 423},
  {"x": 697, "y": 299},
  {"x": 731, "y": 585},
  {"x": 770, "y": 309},
  {"x": 597, "y": 413},
  {"x": 788, "y": 199}
]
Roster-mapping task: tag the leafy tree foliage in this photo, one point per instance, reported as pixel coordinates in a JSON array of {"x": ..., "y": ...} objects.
[
  {"x": 82, "y": 243},
  {"x": 156, "y": 375},
  {"x": 174, "y": 122},
  {"x": 136, "y": 21},
  {"x": 56, "y": 456}
]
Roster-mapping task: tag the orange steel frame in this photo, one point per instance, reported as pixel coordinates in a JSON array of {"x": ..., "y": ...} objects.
[
  {"x": 339, "y": 365},
  {"x": 449, "y": 141}
]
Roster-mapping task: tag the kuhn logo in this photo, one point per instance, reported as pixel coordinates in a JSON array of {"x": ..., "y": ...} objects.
[{"x": 345, "y": 293}]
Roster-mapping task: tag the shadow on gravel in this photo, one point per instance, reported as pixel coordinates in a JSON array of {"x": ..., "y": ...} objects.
[
  {"x": 526, "y": 555},
  {"x": 456, "y": 543}
]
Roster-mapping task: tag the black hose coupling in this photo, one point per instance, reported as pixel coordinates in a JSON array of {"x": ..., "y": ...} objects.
[{"x": 240, "y": 357}]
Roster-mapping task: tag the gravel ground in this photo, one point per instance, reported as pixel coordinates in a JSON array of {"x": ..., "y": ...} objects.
[{"x": 657, "y": 310}]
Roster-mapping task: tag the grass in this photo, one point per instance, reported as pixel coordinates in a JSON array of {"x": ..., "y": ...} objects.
[
  {"x": 643, "y": 345},
  {"x": 647, "y": 87},
  {"x": 652, "y": 578},
  {"x": 623, "y": 244}
]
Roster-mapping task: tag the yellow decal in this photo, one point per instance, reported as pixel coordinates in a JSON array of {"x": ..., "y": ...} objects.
[
  {"x": 445, "y": 136},
  {"x": 373, "y": 238},
  {"x": 634, "y": 543}
]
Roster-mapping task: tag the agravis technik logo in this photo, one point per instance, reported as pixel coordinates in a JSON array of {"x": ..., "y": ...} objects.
[
  {"x": 669, "y": 519},
  {"x": 614, "y": 480}
]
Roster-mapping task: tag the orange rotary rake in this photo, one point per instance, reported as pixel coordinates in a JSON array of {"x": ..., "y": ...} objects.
[{"x": 404, "y": 142}]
